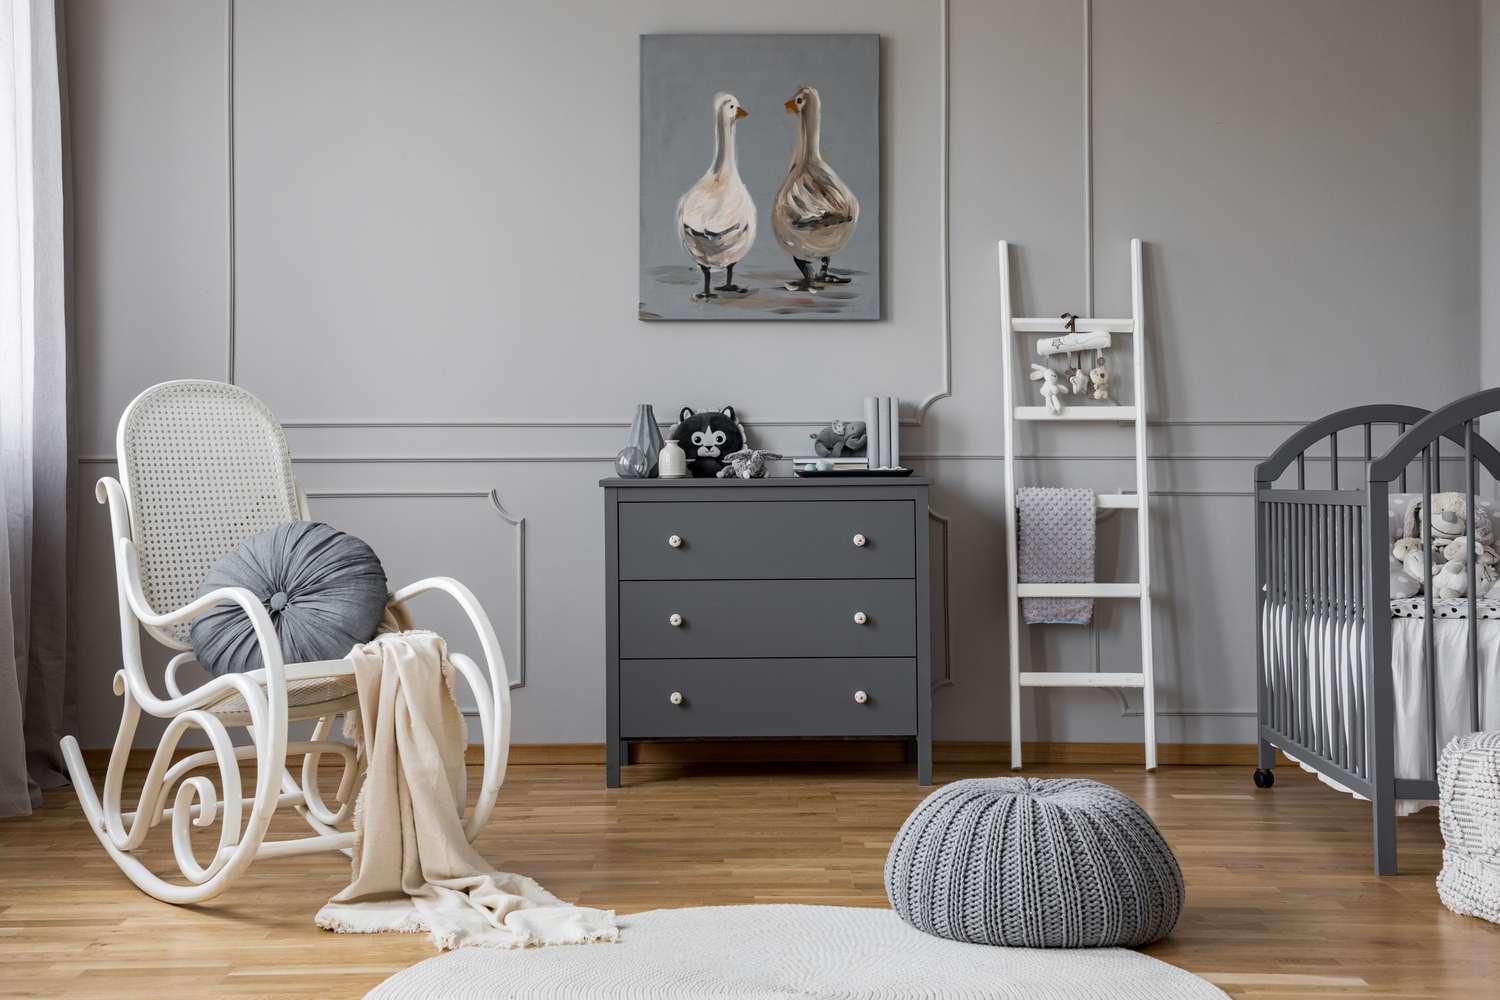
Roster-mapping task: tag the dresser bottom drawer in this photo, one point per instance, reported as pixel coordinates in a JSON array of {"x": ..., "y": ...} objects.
[{"x": 768, "y": 698}]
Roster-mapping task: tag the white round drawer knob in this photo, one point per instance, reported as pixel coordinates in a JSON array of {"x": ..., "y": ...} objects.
[
  {"x": 860, "y": 697},
  {"x": 860, "y": 617},
  {"x": 675, "y": 541},
  {"x": 675, "y": 620},
  {"x": 859, "y": 540},
  {"x": 676, "y": 697}
]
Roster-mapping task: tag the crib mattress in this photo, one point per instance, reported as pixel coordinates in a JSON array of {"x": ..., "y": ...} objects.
[{"x": 1333, "y": 648}]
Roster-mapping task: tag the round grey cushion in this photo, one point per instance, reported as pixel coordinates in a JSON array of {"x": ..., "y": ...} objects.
[
  {"x": 1034, "y": 863},
  {"x": 325, "y": 591}
]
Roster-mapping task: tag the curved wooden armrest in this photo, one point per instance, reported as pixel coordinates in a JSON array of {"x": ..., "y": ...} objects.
[
  {"x": 494, "y": 717},
  {"x": 464, "y": 597}
]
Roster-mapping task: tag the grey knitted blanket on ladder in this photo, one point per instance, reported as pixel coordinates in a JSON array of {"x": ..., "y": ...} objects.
[{"x": 1055, "y": 544}]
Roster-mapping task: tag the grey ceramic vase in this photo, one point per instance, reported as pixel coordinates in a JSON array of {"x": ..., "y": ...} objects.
[{"x": 645, "y": 435}]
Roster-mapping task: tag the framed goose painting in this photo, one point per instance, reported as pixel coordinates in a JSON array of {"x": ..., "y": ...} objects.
[{"x": 760, "y": 177}]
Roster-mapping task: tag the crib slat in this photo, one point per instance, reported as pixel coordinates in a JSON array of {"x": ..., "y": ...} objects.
[
  {"x": 1356, "y": 648},
  {"x": 1341, "y": 646},
  {"x": 1294, "y": 587},
  {"x": 1273, "y": 574},
  {"x": 1283, "y": 568},
  {"x": 1401, "y": 429},
  {"x": 1329, "y": 624},
  {"x": 1333, "y": 459},
  {"x": 1361, "y": 706},
  {"x": 1303, "y": 718},
  {"x": 1320, "y": 619},
  {"x": 1299, "y": 634},
  {"x": 1429, "y": 646},
  {"x": 1472, "y": 513}
]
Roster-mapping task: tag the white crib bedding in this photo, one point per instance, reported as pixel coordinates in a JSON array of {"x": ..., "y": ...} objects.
[
  {"x": 1333, "y": 650},
  {"x": 1445, "y": 607}
]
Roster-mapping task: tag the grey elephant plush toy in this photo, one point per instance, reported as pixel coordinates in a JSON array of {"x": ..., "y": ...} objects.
[
  {"x": 842, "y": 437},
  {"x": 747, "y": 463}
]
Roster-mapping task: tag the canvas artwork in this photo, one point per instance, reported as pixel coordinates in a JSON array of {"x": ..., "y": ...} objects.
[{"x": 760, "y": 177}]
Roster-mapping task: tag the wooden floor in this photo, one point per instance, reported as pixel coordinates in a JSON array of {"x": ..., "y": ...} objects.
[{"x": 1281, "y": 901}]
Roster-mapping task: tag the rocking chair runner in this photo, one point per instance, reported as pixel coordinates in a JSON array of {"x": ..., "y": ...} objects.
[{"x": 205, "y": 465}]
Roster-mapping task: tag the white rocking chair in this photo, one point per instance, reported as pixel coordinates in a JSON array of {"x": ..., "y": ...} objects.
[{"x": 205, "y": 465}]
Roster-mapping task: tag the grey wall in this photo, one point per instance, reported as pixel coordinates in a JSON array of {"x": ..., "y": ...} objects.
[{"x": 1306, "y": 176}]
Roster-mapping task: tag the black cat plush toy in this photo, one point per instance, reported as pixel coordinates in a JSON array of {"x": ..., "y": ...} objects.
[{"x": 708, "y": 438}]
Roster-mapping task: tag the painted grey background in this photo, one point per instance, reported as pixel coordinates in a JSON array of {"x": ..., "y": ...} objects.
[
  {"x": 1306, "y": 177},
  {"x": 679, "y": 76}
]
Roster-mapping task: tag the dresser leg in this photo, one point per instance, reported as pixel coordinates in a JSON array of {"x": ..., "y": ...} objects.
[
  {"x": 924, "y": 761},
  {"x": 614, "y": 752}
]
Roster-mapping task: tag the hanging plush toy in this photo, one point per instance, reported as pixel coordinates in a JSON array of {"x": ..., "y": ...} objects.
[
  {"x": 1052, "y": 389},
  {"x": 1078, "y": 378},
  {"x": 1100, "y": 377}
]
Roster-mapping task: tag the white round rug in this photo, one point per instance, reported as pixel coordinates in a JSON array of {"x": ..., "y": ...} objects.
[{"x": 768, "y": 952}]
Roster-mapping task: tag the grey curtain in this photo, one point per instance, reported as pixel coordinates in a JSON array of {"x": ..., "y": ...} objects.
[{"x": 36, "y": 464}]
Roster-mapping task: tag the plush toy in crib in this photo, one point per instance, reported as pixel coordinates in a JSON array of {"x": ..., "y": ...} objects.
[
  {"x": 1052, "y": 389},
  {"x": 1449, "y": 518},
  {"x": 1451, "y": 548},
  {"x": 1452, "y": 580}
]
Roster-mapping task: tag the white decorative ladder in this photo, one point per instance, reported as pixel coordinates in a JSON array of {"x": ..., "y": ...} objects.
[{"x": 1012, "y": 327}]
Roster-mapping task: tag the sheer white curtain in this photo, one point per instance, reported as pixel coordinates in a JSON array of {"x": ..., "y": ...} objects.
[{"x": 35, "y": 395}]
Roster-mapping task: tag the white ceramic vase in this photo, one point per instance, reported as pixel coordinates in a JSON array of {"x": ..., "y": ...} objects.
[{"x": 672, "y": 461}]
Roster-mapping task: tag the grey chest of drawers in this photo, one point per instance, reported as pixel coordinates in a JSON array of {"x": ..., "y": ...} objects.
[{"x": 767, "y": 608}]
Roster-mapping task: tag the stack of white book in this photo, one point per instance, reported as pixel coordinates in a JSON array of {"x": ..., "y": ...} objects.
[{"x": 883, "y": 421}]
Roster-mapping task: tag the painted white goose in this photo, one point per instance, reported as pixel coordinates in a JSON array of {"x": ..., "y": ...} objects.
[
  {"x": 815, "y": 212},
  {"x": 716, "y": 217}
]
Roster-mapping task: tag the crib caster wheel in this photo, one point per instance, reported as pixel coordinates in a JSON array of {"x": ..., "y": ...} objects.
[{"x": 1264, "y": 777}]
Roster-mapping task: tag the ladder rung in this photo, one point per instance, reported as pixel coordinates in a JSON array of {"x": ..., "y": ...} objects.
[
  {"x": 1079, "y": 678},
  {"x": 1078, "y": 590},
  {"x": 1118, "y": 414},
  {"x": 1048, "y": 324},
  {"x": 1118, "y": 501}
]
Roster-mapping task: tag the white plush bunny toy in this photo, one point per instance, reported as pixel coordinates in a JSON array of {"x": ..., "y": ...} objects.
[{"x": 1051, "y": 387}]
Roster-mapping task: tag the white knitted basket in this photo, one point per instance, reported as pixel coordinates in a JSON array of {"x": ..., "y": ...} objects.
[{"x": 1469, "y": 814}]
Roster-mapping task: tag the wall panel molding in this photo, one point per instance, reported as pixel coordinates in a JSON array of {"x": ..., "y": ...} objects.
[
  {"x": 231, "y": 203},
  {"x": 518, "y": 525},
  {"x": 546, "y": 458}
]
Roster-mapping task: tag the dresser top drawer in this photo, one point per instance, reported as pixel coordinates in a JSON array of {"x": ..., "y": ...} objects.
[{"x": 768, "y": 540}]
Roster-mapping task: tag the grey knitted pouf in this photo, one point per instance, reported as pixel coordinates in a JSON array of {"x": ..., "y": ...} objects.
[{"x": 1034, "y": 863}]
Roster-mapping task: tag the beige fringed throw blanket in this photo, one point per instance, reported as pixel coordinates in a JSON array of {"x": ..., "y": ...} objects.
[{"x": 413, "y": 869}]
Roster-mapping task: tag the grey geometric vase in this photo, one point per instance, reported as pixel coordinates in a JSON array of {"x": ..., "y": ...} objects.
[{"x": 645, "y": 435}]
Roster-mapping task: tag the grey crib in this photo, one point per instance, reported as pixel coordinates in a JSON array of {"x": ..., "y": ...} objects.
[{"x": 1322, "y": 555}]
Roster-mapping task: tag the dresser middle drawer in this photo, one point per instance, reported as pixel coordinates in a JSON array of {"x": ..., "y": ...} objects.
[{"x": 664, "y": 619}]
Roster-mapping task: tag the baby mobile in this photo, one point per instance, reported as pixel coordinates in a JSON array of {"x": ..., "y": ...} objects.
[{"x": 1094, "y": 382}]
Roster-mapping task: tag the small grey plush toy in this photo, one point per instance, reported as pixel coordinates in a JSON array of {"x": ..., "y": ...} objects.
[
  {"x": 747, "y": 463},
  {"x": 842, "y": 437}
]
